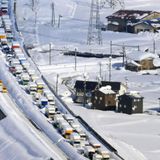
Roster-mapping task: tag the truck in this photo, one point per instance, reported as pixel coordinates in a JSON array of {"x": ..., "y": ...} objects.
[
  {"x": 21, "y": 58},
  {"x": 50, "y": 112},
  {"x": 25, "y": 65},
  {"x": 49, "y": 96},
  {"x": 57, "y": 118},
  {"x": 36, "y": 98},
  {"x": 1, "y": 84},
  {"x": 68, "y": 118},
  {"x": 32, "y": 88},
  {"x": 104, "y": 153},
  {"x": 97, "y": 157},
  {"x": 25, "y": 78},
  {"x": 75, "y": 139},
  {"x": 2, "y": 33},
  {"x": 66, "y": 130},
  {"x": 43, "y": 102},
  {"x": 96, "y": 145},
  {"x": 15, "y": 44},
  {"x": 19, "y": 70},
  {"x": 40, "y": 86},
  {"x": 89, "y": 151},
  {"x": 4, "y": 89},
  {"x": 76, "y": 127}
]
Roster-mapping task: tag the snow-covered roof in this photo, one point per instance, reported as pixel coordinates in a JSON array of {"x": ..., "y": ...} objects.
[
  {"x": 140, "y": 55},
  {"x": 156, "y": 62},
  {"x": 135, "y": 94},
  {"x": 106, "y": 90},
  {"x": 130, "y": 14}
]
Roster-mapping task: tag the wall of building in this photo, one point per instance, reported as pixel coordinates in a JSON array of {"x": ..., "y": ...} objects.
[{"x": 142, "y": 28}]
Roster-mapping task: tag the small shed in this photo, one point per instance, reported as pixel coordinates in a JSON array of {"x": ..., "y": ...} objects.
[
  {"x": 130, "y": 103},
  {"x": 104, "y": 99}
]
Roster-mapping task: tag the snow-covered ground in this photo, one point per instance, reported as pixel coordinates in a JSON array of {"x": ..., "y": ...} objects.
[{"x": 140, "y": 131}]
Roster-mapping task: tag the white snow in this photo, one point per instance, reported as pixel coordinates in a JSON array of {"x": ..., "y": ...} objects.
[{"x": 135, "y": 136}]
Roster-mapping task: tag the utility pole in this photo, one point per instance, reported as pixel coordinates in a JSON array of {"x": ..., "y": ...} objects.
[
  {"x": 15, "y": 6},
  {"x": 111, "y": 48},
  {"x": 75, "y": 53},
  {"x": 109, "y": 67},
  {"x": 57, "y": 77},
  {"x": 53, "y": 15},
  {"x": 100, "y": 70},
  {"x": 124, "y": 54},
  {"x": 50, "y": 53},
  {"x": 59, "y": 20},
  {"x": 154, "y": 46},
  {"x": 84, "y": 93},
  {"x": 94, "y": 29}
]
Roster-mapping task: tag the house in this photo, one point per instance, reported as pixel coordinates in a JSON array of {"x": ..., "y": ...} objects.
[
  {"x": 147, "y": 25},
  {"x": 104, "y": 99},
  {"x": 138, "y": 60},
  {"x": 129, "y": 21},
  {"x": 85, "y": 89},
  {"x": 131, "y": 102}
]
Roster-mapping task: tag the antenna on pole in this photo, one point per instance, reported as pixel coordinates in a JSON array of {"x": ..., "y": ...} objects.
[{"x": 94, "y": 30}]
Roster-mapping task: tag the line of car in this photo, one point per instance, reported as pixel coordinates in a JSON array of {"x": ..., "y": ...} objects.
[{"x": 42, "y": 97}]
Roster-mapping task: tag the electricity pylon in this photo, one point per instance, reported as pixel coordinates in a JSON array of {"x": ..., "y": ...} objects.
[{"x": 94, "y": 29}]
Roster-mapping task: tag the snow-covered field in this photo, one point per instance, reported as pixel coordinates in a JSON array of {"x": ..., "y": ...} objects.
[{"x": 141, "y": 131}]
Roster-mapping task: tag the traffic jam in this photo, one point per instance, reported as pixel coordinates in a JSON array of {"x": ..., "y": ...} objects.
[{"x": 27, "y": 77}]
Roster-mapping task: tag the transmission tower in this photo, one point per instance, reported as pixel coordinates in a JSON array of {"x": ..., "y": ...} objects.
[{"x": 94, "y": 30}]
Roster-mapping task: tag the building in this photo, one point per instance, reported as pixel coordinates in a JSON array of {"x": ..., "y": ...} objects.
[
  {"x": 133, "y": 21},
  {"x": 138, "y": 60},
  {"x": 85, "y": 89},
  {"x": 130, "y": 103},
  {"x": 104, "y": 99}
]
